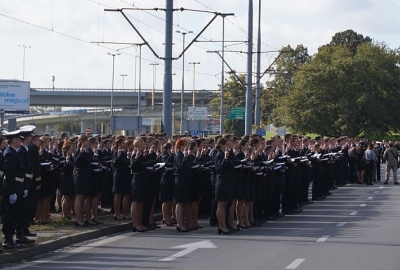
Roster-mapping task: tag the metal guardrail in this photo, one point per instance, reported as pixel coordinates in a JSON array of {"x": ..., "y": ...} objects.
[{"x": 203, "y": 91}]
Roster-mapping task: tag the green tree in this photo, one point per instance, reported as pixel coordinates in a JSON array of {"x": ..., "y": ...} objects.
[
  {"x": 338, "y": 93},
  {"x": 287, "y": 63},
  {"x": 349, "y": 38}
]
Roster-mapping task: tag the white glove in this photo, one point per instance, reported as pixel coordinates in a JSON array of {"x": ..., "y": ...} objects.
[
  {"x": 13, "y": 198},
  {"x": 25, "y": 193}
]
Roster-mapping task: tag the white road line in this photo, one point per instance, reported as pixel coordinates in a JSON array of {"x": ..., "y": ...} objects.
[
  {"x": 362, "y": 205},
  {"x": 380, "y": 187},
  {"x": 370, "y": 198},
  {"x": 341, "y": 224},
  {"x": 376, "y": 192},
  {"x": 295, "y": 264},
  {"x": 323, "y": 239},
  {"x": 65, "y": 254},
  {"x": 353, "y": 213}
]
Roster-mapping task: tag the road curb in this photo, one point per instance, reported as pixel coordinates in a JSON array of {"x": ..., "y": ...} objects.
[{"x": 64, "y": 241}]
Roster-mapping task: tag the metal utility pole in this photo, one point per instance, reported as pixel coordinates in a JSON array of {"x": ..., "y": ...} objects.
[
  {"x": 257, "y": 109},
  {"x": 249, "y": 71},
  {"x": 221, "y": 116},
  {"x": 112, "y": 94},
  {"x": 154, "y": 81},
  {"x": 23, "y": 60},
  {"x": 194, "y": 82},
  {"x": 183, "y": 77},
  {"x": 53, "y": 80},
  {"x": 167, "y": 94},
  {"x": 123, "y": 80}
]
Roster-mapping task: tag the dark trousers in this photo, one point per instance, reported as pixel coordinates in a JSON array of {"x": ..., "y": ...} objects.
[
  {"x": 214, "y": 203},
  {"x": 378, "y": 170},
  {"x": 370, "y": 168},
  {"x": 269, "y": 196},
  {"x": 317, "y": 184},
  {"x": 12, "y": 221},
  {"x": 279, "y": 183}
]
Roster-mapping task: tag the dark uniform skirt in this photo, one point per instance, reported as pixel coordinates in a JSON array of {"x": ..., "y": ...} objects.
[
  {"x": 81, "y": 181},
  {"x": 238, "y": 192},
  {"x": 181, "y": 194},
  {"x": 224, "y": 189},
  {"x": 122, "y": 182},
  {"x": 67, "y": 186},
  {"x": 167, "y": 184},
  {"x": 139, "y": 191}
]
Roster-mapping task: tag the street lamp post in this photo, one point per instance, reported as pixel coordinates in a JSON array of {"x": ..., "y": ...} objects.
[
  {"x": 183, "y": 77},
  {"x": 123, "y": 80},
  {"x": 154, "y": 82},
  {"x": 112, "y": 94},
  {"x": 194, "y": 81},
  {"x": 23, "y": 60},
  {"x": 53, "y": 79}
]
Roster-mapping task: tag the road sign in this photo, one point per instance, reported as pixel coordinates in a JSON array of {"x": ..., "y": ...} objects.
[
  {"x": 212, "y": 125},
  {"x": 237, "y": 113},
  {"x": 262, "y": 133},
  {"x": 197, "y": 113},
  {"x": 89, "y": 130}
]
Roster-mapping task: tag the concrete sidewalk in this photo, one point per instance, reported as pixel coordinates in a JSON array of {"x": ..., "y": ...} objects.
[{"x": 61, "y": 233}]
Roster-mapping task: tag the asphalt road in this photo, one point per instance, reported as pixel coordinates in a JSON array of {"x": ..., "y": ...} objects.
[{"x": 356, "y": 228}]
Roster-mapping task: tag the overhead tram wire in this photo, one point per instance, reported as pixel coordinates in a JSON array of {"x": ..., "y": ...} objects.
[
  {"x": 147, "y": 12},
  {"x": 105, "y": 47},
  {"x": 162, "y": 19},
  {"x": 88, "y": 42},
  {"x": 237, "y": 26}
]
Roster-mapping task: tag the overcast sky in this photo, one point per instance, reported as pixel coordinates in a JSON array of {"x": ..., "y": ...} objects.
[{"x": 60, "y": 33}]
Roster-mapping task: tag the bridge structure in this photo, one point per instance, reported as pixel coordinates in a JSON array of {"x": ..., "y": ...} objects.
[{"x": 90, "y": 108}]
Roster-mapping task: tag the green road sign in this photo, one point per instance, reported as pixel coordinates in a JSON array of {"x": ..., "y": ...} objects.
[{"x": 237, "y": 113}]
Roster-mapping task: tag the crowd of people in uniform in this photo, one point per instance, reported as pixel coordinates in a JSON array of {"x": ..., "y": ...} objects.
[{"x": 238, "y": 182}]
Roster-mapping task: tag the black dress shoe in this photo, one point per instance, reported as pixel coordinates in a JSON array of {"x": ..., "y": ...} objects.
[
  {"x": 385, "y": 183},
  {"x": 28, "y": 233},
  {"x": 22, "y": 239},
  {"x": 10, "y": 245}
]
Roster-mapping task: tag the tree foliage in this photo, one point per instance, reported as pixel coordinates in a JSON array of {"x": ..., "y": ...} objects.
[
  {"x": 350, "y": 39},
  {"x": 338, "y": 93},
  {"x": 286, "y": 66},
  {"x": 351, "y": 86}
]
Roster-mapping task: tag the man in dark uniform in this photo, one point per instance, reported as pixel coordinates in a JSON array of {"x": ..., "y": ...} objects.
[
  {"x": 14, "y": 191},
  {"x": 26, "y": 134}
]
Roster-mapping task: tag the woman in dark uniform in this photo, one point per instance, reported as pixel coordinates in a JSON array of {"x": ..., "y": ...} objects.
[
  {"x": 139, "y": 185},
  {"x": 238, "y": 186},
  {"x": 92, "y": 200},
  {"x": 121, "y": 178},
  {"x": 224, "y": 185},
  {"x": 81, "y": 178},
  {"x": 192, "y": 188},
  {"x": 167, "y": 183},
  {"x": 67, "y": 186},
  {"x": 182, "y": 174}
]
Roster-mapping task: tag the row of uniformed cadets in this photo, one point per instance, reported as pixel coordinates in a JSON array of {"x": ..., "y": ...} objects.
[{"x": 263, "y": 171}]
